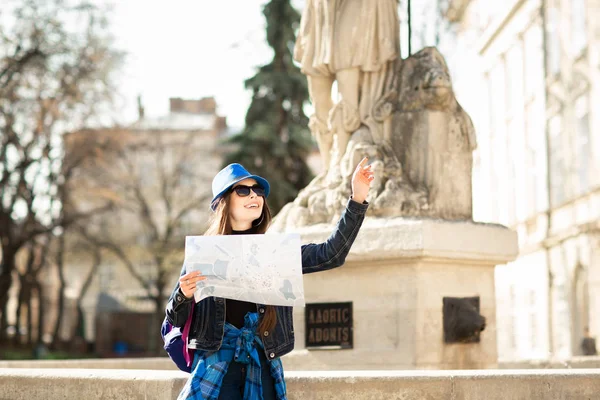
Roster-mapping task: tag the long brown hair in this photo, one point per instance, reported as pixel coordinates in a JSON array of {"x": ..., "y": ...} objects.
[{"x": 221, "y": 225}]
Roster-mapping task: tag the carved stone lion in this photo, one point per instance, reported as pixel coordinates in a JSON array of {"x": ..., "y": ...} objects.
[{"x": 433, "y": 136}]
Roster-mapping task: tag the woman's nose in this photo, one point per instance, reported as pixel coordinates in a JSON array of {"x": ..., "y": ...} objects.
[{"x": 252, "y": 194}]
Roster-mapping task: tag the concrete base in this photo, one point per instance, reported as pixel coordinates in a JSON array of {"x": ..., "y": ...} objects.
[
  {"x": 575, "y": 362},
  {"x": 396, "y": 276},
  {"x": 164, "y": 363},
  {"x": 20, "y": 384},
  {"x": 50, "y": 384},
  {"x": 152, "y": 363}
]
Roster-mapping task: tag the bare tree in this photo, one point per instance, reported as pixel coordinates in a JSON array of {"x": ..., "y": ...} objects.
[
  {"x": 30, "y": 288},
  {"x": 158, "y": 195},
  {"x": 60, "y": 259},
  {"x": 79, "y": 320},
  {"x": 56, "y": 66}
]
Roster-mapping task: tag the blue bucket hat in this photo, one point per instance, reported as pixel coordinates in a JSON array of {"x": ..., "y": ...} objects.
[{"x": 229, "y": 176}]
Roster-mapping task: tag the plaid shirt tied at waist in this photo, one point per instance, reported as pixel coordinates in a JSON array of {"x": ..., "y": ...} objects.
[{"x": 241, "y": 345}]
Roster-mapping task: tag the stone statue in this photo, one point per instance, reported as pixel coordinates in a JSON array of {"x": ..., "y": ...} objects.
[
  {"x": 402, "y": 114},
  {"x": 355, "y": 42},
  {"x": 434, "y": 137}
]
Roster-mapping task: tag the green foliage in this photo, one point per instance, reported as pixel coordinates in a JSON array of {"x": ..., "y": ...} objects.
[{"x": 275, "y": 141}]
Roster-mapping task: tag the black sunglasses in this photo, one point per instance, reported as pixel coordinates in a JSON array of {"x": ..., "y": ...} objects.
[{"x": 243, "y": 190}]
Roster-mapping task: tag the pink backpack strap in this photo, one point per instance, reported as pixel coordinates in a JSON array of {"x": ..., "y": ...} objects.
[{"x": 187, "y": 353}]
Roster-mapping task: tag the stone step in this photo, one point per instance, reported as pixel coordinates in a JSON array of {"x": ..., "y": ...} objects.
[
  {"x": 51, "y": 384},
  {"x": 154, "y": 363},
  {"x": 291, "y": 362}
]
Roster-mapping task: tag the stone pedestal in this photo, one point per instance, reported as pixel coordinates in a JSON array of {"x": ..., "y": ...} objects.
[{"x": 396, "y": 276}]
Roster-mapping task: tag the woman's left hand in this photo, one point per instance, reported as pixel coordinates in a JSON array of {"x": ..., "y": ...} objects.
[{"x": 361, "y": 181}]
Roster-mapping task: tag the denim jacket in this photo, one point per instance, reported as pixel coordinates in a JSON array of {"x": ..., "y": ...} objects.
[{"x": 208, "y": 320}]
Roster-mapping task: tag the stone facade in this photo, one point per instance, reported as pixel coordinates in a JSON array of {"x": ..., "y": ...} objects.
[
  {"x": 421, "y": 152},
  {"x": 528, "y": 72}
]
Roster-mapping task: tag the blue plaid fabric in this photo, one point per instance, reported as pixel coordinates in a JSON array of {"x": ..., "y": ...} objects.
[{"x": 241, "y": 345}]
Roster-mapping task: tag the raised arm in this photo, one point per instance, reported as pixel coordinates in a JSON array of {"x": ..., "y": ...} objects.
[{"x": 332, "y": 253}]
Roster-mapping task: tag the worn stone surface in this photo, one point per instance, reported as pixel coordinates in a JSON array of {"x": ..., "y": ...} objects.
[
  {"x": 151, "y": 363},
  {"x": 444, "y": 385},
  {"x": 390, "y": 238},
  {"x": 578, "y": 362},
  {"x": 434, "y": 136},
  {"x": 421, "y": 153},
  {"x": 164, "y": 363},
  {"x": 355, "y": 43},
  {"x": 19, "y": 384},
  {"x": 49, "y": 384},
  {"x": 396, "y": 276}
]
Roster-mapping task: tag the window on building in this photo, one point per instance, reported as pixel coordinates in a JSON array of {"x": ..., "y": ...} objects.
[
  {"x": 106, "y": 277},
  {"x": 149, "y": 269},
  {"x": 553, "y": 39},
  {"x": 187, "y": 176},
  {"x": 534, "y": 335},
  {"x": 498, "y": 95},
  {"x": 514, "y": 160},
  {"x": 143, "y": 239},
  {"x": 534, "y": 61},
  {"x": 583, "y": 157},
  {"x": 514, "y": 80},
  {"x": 498, "y": 159},
  {"x": 578, "y": 27},
  {"x": 146, "y": 170},
  {"x": 535, "y": 168},
  {"x": 515, "y": 133},
  {"x": 536, "y": 156},
  {"x": 558, "y": 173},
  {"x": 513, "y": 329}
]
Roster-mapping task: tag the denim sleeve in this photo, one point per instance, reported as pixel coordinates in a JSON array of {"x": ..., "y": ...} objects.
[
  {"x": 178, "y": 306},
  {"x": 332, "y": 253}
]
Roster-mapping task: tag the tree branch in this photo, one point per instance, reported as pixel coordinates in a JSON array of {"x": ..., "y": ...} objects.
[{"x": 116, "y": 250}]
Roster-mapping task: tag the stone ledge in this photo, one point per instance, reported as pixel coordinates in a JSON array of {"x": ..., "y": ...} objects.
[
  {"x": 575, "y": 362},
  {"x": 150, "y": 363},
  {"x": 383, "y": 239},
  {"x": 62, "y": 384},
  {"x": 289, "y": 361},
  {"x": 50, "y": 384},
  {"x": 443, "y": 385}
]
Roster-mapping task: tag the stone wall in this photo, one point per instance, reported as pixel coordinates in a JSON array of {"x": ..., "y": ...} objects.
[
  {"x": 62, "y": 384},
  {"x": 575, "y": 362},
  {"x": 164, "y": 363}
]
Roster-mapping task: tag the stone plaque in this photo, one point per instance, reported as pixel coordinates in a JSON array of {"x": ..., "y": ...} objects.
[{"x": 329, "y": 326}]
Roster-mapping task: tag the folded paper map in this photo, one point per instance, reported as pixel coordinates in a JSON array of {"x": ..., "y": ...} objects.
[{"x": 263, "y": 269}]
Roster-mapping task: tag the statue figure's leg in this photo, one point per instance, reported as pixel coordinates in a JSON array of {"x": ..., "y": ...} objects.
[
  {"x": 344, "y": 118},
  {"x": 324, "y": 140},
  {"x": 319, "y": 89}
]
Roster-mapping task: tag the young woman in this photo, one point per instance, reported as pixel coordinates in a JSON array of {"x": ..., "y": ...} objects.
[{"x": 238, "y": 344}]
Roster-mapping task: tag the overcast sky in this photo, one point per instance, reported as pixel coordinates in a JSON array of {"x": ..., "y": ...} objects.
[{"x": 190, "y": 49}]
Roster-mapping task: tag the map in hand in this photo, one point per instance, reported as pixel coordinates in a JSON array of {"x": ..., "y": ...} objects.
[{"x": 263, "y": 269}]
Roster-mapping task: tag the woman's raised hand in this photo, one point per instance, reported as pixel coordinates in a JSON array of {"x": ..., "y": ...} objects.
[
  {"x": 187, "y": 283},
  {"x": 361, "y": 181}
]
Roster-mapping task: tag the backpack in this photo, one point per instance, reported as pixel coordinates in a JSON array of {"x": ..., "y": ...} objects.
[{"x": 175, "y": 343}]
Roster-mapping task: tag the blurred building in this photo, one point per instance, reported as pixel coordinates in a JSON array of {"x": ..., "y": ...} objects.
[
  {"x": 157, "y": 168},
  {"x": 528, "y": 73}
]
